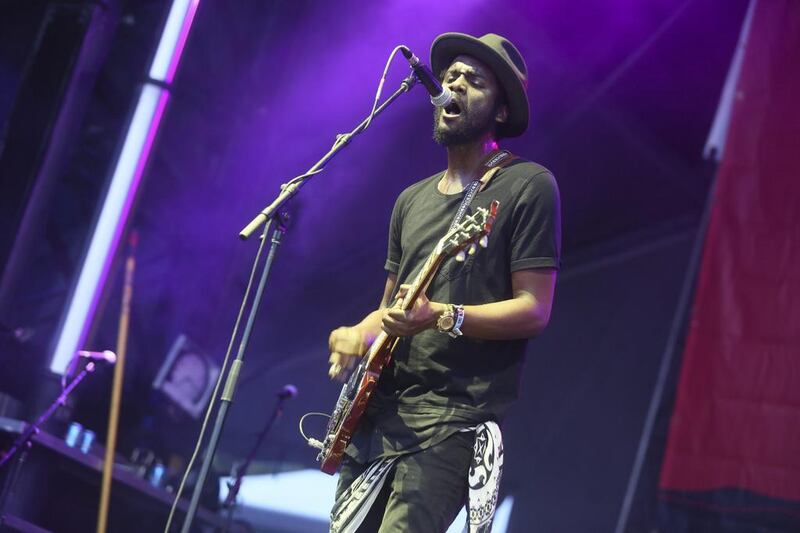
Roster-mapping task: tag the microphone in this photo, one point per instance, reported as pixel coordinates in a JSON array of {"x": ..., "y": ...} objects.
[
  {"x": 440, "y": 96},
  {"x": 288, "y": 391},
  {"x": 106, "y": 355}
]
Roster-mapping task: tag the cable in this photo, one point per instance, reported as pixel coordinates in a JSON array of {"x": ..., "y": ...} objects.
[
  {"x": 314, "y": 443},
  {"x": 301, "y": 177},
  {"x": 302, "y": 418},
  {"x": 222, "y": 373},
  {"x": 343, "y": 138},
  {"x": 380, "y": 84}
]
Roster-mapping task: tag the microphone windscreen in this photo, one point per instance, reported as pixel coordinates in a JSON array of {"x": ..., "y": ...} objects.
[{"x": 288, "y": 391}]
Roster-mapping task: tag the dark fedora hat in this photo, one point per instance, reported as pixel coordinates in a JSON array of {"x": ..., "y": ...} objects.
[{"x": 505, "y": 61}]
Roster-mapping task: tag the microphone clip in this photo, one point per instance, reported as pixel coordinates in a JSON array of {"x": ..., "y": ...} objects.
[{"x": 440, "y": 96}]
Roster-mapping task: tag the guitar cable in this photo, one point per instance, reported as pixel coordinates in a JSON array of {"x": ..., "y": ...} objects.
[{"x": 314, "y": 443}]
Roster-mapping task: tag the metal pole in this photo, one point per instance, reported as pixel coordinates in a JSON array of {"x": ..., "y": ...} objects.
[
  {"x": 230, "y": 383},
  {"x": 678, "y": 320},
  {"x": 116, "y": 389}
]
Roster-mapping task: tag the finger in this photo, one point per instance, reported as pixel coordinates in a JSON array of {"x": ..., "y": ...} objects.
[
  {"x": 332, "y": 338},
  {"x": 402, "y": 291},
  {"x": 386, "y": 325},
  {"x": 356, "y": 346},
  {"x": 397, "y": 315},
  {"x": 395, "y": 332},
  {"x": 342, "y": 360},
  {"x": 344, "y": 345},
  {"x": 351, "y": 342},
  {"x": 345, "y": 361},
  {"x": 393, "y": 327}
]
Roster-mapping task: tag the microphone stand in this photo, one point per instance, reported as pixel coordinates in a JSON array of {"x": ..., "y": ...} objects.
[
  {"x": 235, "y": 485},
  {"x": 25, "y": 440},
  {"x": 268, "y": 214}
]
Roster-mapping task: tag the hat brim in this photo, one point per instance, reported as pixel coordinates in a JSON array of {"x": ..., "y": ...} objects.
[{"x": 448, "y": 46}]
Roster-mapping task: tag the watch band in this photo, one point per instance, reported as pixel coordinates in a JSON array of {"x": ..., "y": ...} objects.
[{"x": 459, "y": 316}]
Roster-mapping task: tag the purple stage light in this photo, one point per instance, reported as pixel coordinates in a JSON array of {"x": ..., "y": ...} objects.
[{"x": 125, "y": 180}]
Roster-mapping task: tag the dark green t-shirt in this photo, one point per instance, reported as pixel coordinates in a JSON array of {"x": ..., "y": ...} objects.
[{"x": 436, "y": 385}]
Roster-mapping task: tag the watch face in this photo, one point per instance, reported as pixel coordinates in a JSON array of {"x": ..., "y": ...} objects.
[{"x": 446, "y": 322}]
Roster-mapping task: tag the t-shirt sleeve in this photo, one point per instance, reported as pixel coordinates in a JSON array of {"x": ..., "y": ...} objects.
[
  {"x": 395, "y": 250},
  {"x": 536, "y": 219}
]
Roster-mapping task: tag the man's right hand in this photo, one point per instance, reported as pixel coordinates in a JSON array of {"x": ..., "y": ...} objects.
[{"x": 346, "y": 345}]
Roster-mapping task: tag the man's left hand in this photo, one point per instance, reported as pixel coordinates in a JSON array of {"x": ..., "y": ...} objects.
[{"x": 421, "y": 316}]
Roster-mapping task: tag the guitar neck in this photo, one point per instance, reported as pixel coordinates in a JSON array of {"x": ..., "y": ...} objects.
[
  {"x": 423, "y": 279},
  {"x": 419, "y": 286},
  {"x": 468, "y": 231}
]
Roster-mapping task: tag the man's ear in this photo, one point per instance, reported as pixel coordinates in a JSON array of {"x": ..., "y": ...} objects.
[{"x": 502, "y": 114}]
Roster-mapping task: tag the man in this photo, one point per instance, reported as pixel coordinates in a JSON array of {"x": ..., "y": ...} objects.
[{"x": 462, "y": 344}]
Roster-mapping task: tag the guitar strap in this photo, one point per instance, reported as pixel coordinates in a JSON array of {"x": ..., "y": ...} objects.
[
  {"x": 483, "y": 479},
  {"x": 491, "y": 164},
  {"x": 352, "y": 506}
]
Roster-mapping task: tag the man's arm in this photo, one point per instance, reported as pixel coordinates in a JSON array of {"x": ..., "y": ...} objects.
[
  {"x": 524, "y": 315},
  {"x": 347, "y": 343}
]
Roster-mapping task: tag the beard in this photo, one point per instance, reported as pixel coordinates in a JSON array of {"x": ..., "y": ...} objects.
[{"x": 469, "y": 127}]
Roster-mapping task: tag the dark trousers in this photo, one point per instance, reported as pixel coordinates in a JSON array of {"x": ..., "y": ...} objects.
[{"x": 423, "y": 493}]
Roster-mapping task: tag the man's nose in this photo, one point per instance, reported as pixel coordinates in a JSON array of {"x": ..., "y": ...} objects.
[{"x": 457, "y": 85}]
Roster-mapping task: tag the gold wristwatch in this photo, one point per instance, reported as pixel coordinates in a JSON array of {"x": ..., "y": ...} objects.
[{"x": 450, "y": 321}]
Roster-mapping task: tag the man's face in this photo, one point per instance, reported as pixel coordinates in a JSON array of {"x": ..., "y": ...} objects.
[{"x": 474, "y": 110}]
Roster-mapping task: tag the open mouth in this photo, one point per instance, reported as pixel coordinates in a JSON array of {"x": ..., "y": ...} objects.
[{"x": 452, "y": 110}]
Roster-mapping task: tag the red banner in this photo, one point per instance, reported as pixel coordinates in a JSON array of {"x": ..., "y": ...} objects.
[{"x": 736, "y": 422}]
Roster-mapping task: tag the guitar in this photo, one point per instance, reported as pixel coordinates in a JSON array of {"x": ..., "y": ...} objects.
[{"x": 465, "y": 238}]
